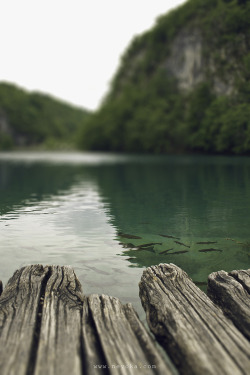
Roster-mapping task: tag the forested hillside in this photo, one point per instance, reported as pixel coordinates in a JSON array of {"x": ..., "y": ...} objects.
[
  {"x": 37, "y": 120},
  {"x": 183, "y": 86}
]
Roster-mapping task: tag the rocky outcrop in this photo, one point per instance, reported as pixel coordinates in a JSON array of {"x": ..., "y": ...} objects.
[{"x": 186, "y": 62}]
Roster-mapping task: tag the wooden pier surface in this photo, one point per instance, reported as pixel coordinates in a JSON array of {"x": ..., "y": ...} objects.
[
  {"x": 194, "y": 331},
  {"x": 48, "y": 326}
]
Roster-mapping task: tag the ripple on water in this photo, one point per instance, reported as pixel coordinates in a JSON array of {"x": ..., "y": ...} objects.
[{"x": 70, "y": 208}]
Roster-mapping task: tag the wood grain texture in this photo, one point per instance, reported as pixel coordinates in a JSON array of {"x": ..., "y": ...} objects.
[
  {"x": 92, "y": 353},
  {"x": 243, "y": 276},
  {"x": 60, "y": 333},
  {"x": 230, "y": 292},
  {"x": 147, "y": 343},
  {"x": 18, "y": 319},
  {"x": 190, "y": 327},
  {"x": 125, "y": 345},
  {"x": 48, "y": 327}
]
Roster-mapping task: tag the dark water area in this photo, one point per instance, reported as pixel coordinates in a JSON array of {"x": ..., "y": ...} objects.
[{"x": 110, "y": 216}]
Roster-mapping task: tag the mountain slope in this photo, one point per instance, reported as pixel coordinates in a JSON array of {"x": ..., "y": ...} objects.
[
  {"x": 32, "y": 119},
  {"x": 182, "y": 86}
]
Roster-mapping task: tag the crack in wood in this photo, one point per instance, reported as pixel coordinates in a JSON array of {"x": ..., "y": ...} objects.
[
  {"x": 47, "y": 326},
  {"x": 210, "y": 327},
  {"x": 242, "y": 276},
  {"x": 91, "y": 347},
  {"x": 229, "y": 291},
  {"x": 38, "y": 322},
  {"x": 204, "y": 339}
]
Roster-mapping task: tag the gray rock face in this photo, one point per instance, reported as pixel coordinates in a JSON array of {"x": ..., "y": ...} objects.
[{"x": 186, "y": 62}]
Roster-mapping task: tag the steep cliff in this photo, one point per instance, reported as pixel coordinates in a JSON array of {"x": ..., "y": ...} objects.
[{"x": 181, "y": 86}]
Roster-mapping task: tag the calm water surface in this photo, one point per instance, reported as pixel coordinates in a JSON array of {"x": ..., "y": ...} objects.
[{"x": 84, "y": 209}]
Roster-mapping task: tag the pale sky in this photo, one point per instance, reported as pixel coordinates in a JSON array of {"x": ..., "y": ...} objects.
[{"x": 71, "y": 49}]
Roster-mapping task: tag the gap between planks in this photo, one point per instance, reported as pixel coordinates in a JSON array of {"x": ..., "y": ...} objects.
[{"x": 47, "y": 326}]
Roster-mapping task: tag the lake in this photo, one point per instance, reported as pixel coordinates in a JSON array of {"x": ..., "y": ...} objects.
[{"x": 98, "y": 213}]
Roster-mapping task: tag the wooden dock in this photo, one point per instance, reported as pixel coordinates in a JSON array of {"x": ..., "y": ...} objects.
[
  {"x": 198, "y": 335},
  {"x": 48, "y": 326}
]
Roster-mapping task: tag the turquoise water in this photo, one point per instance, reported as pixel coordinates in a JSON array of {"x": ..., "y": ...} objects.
[{"x": 99, "y": 212}]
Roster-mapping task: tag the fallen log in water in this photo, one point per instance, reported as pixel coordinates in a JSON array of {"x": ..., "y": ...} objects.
[
  {"x": 231, "y": 292},
  {"x": 47, "y": 326},
  {"x": 196, "y": 334}
]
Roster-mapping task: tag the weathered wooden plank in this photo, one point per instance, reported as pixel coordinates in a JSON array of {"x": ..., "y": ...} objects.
[
  {"x": 59, "y": 347},
  {"x": 124, "y": 344},
  {"x": 147, "y": 344},
  {"x": 243, "y": 276},
  {"x": 227, "y": 292},
  {"x": 190, "y": 327},
  {"x": 48, "y": 327},
  {"x": 92, "y": 353},
  {"x": 18, "y": 319}
]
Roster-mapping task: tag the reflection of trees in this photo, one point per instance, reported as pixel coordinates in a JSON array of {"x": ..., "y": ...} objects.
[
  {"x": 194, "y": 199},
  {"x": 177, "y": 196},
  {"x": 19, "y": 182}
]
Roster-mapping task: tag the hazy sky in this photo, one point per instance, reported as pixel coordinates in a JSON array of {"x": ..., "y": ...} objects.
[{"x": 71, "y": 48}]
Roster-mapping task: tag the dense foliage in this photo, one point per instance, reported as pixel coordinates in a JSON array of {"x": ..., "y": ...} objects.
[
  {"x": 145, "y": 111},
  {"x": 32, "y": 119}
]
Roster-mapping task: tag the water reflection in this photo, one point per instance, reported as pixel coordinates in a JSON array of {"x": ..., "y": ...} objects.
[
  {"x": 192, "y": 199},
  {"x": 53, "y": 213},
  {"x": 110, "y": 215}
]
